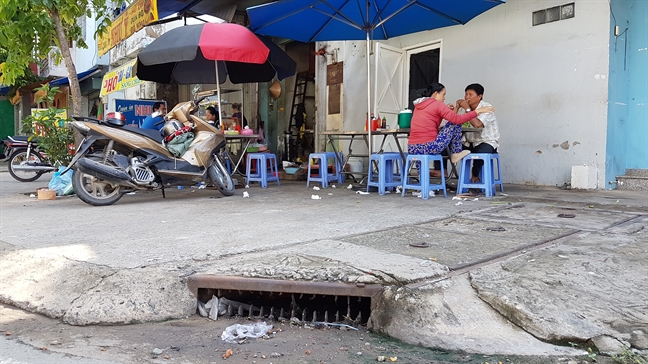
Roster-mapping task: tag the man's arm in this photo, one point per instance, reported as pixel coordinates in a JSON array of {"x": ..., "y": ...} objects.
[{"x": 475, "y": 122}]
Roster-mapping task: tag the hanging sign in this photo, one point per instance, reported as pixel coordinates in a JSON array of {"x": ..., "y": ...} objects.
[
  {"x": 139, "y": 14},
  {"x": 119, "y": 78}
]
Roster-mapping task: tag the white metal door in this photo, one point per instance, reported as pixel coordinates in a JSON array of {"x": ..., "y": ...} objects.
[{"x": 389, "y": 87}]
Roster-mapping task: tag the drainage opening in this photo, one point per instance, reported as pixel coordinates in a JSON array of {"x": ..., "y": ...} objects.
[{"x": 285, "y": 300}]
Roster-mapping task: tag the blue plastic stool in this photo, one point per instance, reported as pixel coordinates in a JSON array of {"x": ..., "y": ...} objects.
[
  {"x": 263, "y": 160},
  {"x": 390, "y": 171},
  {"x": 227, "y": 162},
  {"x": 423, "y": 183},
  {"x": 323, "y": 176},
  {"x": 488, "y": 181}
]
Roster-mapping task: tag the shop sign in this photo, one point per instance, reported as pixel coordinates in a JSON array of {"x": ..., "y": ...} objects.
[
  {"x": 119, "y": 78},
  {"x": 135, "y": 110},
  {"x": 139, "y": 14}
]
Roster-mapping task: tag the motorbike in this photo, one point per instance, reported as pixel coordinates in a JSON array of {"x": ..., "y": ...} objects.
[
  {"x": 25, "y": 161},
  {"x": 135, "y": 159}
]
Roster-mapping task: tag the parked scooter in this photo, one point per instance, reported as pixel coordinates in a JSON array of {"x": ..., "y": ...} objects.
[
  {"x": 136, "y": 159},
  {"x": 26, "y": 163}
]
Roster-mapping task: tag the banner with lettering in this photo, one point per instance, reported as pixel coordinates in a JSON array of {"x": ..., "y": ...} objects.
[
  {"x": 119, "y": 78},
  {"x": 139, "y": 14},
  {"x": 134, "y": 110}
]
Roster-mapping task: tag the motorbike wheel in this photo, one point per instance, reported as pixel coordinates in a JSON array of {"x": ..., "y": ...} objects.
[
  {"x": 21, "y": 157},
  {"x": 94, "y": 191},
  {"x": 220, "y": 178}
]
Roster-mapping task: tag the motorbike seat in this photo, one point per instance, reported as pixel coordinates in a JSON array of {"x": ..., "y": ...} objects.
[
  {"x": 19, "y": 138},
  {"x": 149, "y": 133}
]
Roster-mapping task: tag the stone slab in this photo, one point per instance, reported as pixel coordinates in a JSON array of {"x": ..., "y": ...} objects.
[
  {"x": 133, "y": 296},
  {"x": 589, "y": 285},
  {"x": 585, "y": 218},
  {"x": 42, "y": 281},
  {"x": 482, "y": 228},
  {"x": 328, "y": 260},
  {"x": 459, "y": 319},
  {"x": 446, "y": 246}
]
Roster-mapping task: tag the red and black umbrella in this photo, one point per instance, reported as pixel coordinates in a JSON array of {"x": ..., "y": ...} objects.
[{"x": 191, "y": 54}]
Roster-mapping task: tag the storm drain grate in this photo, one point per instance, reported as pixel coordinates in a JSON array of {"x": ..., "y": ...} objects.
[{"x": 285, "y": 300}]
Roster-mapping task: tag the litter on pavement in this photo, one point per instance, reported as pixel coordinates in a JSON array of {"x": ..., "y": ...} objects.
[{"x": 234, "y": 333}]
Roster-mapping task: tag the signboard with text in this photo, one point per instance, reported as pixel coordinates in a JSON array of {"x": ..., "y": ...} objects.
[
  {"x": 135, "y": 110},
  {"x": 119, "y": 78},
  {"x": 135, "y": 17}
]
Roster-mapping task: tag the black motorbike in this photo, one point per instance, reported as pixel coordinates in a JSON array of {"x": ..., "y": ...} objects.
[{"x": 25, "y": 161}]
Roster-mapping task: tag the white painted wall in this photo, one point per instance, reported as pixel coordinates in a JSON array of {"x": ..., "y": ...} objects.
[
  {"x": 548, "y": 84},
  {"x": 88, "y": 57}
]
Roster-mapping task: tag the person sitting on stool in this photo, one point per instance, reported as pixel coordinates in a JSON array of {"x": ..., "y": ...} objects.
[{"x": 487, "y": 141}]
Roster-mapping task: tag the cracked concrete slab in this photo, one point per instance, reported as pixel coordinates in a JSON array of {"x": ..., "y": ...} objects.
[
  {"x": 589, "y": 285},
  {"x": 133, "y": 296},
  {"x": 455, "y": 241},
  {"x": 40, "y": 280},
  {"x": 450, "y": 315},
  {"x": 325, "y": 260},
  {"x": 584, "y": 218}
]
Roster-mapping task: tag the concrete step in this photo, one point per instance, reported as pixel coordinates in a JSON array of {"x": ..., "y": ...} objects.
[
  {"x": 634, "y": 183},
  {"x": 637, "y": 172}
]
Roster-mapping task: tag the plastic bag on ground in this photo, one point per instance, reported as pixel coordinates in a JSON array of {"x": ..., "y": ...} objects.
[
  {"x": 62, "y": 183},
  {"x": 234, "y": 333}
]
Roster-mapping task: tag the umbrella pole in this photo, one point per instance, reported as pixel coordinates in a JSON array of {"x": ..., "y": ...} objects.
[
  {"x": 368, "y": 124},
  {"x": 220, "y": 111}
]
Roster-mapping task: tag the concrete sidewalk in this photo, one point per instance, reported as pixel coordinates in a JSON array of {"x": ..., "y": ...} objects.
[{"x": 504, "y": 275}]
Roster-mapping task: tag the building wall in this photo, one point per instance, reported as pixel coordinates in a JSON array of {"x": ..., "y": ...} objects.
[
  {"x": 549, "y": 84},
  {"x": 88, "y": 57},
  {"x": 627, "y": 142}
]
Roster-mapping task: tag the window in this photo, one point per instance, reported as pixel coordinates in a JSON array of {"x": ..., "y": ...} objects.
[{"x": 553, "y": 14}]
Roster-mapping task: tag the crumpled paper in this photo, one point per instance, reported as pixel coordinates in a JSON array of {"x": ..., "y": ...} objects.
[
  {"x": 246, "y": 194},
  {"x": 315, "y": 197},
  {"x": 234, "y": 333}
]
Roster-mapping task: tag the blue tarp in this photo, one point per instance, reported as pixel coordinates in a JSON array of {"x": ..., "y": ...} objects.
[
  {"x": 65, "y": 81},
  {"x": 4, "y": 90}
]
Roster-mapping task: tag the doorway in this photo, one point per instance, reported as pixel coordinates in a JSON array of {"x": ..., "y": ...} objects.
[{"x": 423, "y": 70}]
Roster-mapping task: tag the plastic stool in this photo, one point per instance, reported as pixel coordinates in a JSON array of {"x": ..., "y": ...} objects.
[
  {"x": 227, "y": 162},
  {"x": 261, "y": 175},
  {"x": 488, "y": 181},
  {"x": 386, "y": 178},
  {"x": 423, "y": 184},
  {"x": 323, "y": 176}
]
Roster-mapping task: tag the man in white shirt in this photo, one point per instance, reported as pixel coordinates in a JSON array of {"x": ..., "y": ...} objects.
[{"x": 488, "y": 140}]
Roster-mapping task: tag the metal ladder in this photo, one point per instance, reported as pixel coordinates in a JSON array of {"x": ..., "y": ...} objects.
[{"x": 292, "y": 135}]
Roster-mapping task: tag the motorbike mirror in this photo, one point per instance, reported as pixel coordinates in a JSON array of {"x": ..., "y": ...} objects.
[{"x": 197, "y": 89}]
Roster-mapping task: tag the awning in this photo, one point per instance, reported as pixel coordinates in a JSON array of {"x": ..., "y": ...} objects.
[
  {"x": 223, "y": 9},
  {"x": 81, "y": 76}
]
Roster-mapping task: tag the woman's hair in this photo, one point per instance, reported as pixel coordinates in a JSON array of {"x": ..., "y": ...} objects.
[
  {"x": 236, "y": 106},
  {"x": 434, "y": 87},
  {"x": 212, "y": 110}
]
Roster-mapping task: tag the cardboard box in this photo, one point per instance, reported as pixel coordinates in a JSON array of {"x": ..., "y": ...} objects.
[{"x": 46, "y": 194}]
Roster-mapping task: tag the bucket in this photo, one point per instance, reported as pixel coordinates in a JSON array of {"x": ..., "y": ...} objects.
[
  {"x": 404, "y": 119},
  {"x": 356, "y": 165}
]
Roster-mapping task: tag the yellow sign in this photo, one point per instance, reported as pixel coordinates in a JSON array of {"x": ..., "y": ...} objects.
[
  {"x": 135, "y": 17},
  {"x": 120, "y": 78}
]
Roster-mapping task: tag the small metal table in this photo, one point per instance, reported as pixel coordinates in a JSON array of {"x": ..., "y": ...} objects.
[
  {"x": 243, "y": 139},
  {"x": 351, "y": 136}
]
